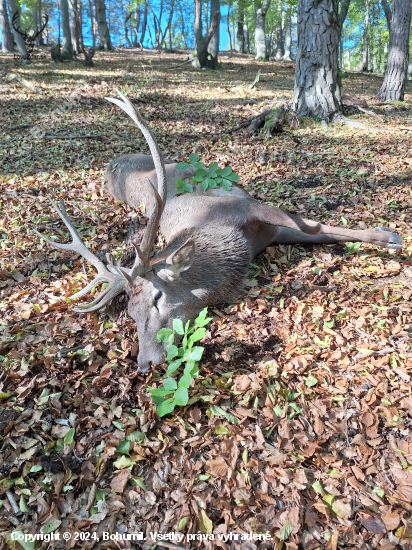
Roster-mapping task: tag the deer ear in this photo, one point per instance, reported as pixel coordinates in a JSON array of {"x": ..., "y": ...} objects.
[{"x": 180, "y": 260}]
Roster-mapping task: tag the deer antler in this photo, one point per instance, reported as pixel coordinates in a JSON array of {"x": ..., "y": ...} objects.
[
  {"x": 142, "y": 262},
  {"x": 105, "y": 274},
  {"x": 18, "y": 29},
  {"x": 38, "y": 33}
]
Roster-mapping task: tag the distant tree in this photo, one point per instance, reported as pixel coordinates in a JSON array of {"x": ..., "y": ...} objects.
[
  {"x": 393, "y": 85},
  {"x": 6, "y": 36},
  {"x": 102, "y": 28},
  {"x": 288, "y": 36},
  {"x": 261, "y": 9},
  {"x": 213, "y": 48},
  {"x": 202, "y": 42},
  {"x": 67, "y": 47},
  {"x": 18, "y": 39}
]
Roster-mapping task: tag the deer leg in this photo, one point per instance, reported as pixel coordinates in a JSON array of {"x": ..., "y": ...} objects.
[{"x": 285, "y": 228}]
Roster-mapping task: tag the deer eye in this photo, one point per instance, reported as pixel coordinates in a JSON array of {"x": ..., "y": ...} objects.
[{"x": 157, "y": 297}]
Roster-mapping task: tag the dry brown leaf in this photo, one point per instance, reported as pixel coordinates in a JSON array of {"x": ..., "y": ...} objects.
[{"x": 119, "y": 482}]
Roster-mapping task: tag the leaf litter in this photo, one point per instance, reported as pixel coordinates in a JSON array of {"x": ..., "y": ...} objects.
[{"x": 300, "y": 424}]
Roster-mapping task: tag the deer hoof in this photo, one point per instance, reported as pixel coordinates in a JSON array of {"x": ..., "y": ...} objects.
[{"x": 394, "y": 241}]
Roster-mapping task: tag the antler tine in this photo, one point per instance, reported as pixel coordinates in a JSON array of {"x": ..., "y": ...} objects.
[
  {"x": 110, "y": 274},
  {"x": 17, "y": 29},
  {"x": 128, "y": 108}
]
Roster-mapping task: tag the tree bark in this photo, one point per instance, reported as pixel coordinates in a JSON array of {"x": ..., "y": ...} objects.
[
  {"x": 261, "y": 9},
  {"x": 288, "y": 37},
  {"x": 144, "y": 24},
  {"x": 102, "y": 28},
  {"x": 388, "y": 13},
  {"x": 6, "y": 36},
  {"x": 279, "y": 32},
  {"x": 317, "y": 89},
  {"x": 201, "y": 42},
  {"x": 364, "y": 63},
  {"x": 213, "y": 48},
  {"x": 240, "y": 22},
  {"x": 126, "y": 30},
  {"x": 344, "y": 7},
  {"x": 74, "y": 27},
  {"x": 393, "y": 85},
  {"x": 91, "y": 24},
  {"x": 169, "y": 25},
  {"x": 183, "y": 24},
  {"x": 229, "y": 5},
  {"x": 18, "y": 39},
  {"x": 67, "y": 48},
  {"x": 246, "y": 40}
]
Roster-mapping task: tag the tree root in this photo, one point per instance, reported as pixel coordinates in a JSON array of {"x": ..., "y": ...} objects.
[{"x": 339, "y": 117}]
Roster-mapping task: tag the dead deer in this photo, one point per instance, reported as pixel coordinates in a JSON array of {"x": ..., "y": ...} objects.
[{"x": 211, "y": 238}]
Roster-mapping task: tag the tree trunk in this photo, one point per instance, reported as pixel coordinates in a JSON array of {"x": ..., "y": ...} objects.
[
  {"x": 6, "y": 36},
  {"x": 288, "y": 37},
  {"x": 240, "y": 22},
  {"x": 102, "y": 28},
  {"x": 169, "y": 24},
  {"x": 183, "y": 24},
  {"x": 246, "y": 40},
  {"x": 261, "y": 8},
  {"x": 229, "y": 5},
  {"x": 67, "y": 48},
  {"x": 41, "y": 41},
  {"x": 18, "y": 39},
  {"x": 91, "y": 24},
  {"x": 344, "y": 6},
  {"x": 126, "y": 30},
  {"x": 201, "y": 42},
  {"x": 317, "y": 89},
  {"x": 279, "y": 32},
  {"x": 35, "y": 21},
  {"x": 363, "y": 67},
  {"x": 74, "y": 27},
  {"x": 393, "y": 85},
  {"x": 348, "y": 60},
  {"x": 388, "y": 13},
  {"x": 213, "y": 48},
  {"x": 144, "y": 24}
]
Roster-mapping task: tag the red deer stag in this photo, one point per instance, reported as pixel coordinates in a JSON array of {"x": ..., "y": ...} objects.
[{"x": 211, "y": 238}]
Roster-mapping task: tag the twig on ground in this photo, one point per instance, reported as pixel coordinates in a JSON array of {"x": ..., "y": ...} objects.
[
  {"x": 177, "y": 66},
  {"x": 75, "y": 136}
]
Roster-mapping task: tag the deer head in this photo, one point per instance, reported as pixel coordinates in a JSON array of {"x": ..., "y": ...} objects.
[
  {"x": 29, "y": 39},
  {"x": 155, "y": 288}
]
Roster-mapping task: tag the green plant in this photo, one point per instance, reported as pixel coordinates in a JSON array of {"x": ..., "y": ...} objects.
[
  {"x": 210, "y": 177},
  {"x": 187, "y": 354}
]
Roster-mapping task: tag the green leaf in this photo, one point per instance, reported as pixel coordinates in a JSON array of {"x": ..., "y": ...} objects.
[
  {"x": 181, "y": 396},
  {"x": 212, "y": 184},
  {"x": 380, "y": 492},
  {"x": 183, "y": 522},
  {"x": 321, "y": 343},
  {"x": 136, "y": 437},
  {"x": 198, "y": 165},
  {"x": 124, "y": 462},
  {"x": 204, "y": 185},
  {"x": 182, "y": 166},
  {"x": 171, "y": 352},
  {"x": 166, "y": 407},
  {"x": 164, "y": 335},
  {"x": 311, "y": 381},
  {"x": 139, "y": 482},
  {"x": 180, "y": 186},
  {"x": 329, "y": 499},
  {"x": 201, "y": 172},
  {"x": 317, "y": 487},
  {"x": 35, "y": 468},
  {"x": 285, "y": 532},
  {"x": 170, "y": 384},
  {"x": 185, "y": 381},
  {"x": 178, "y": 327},
  {"x": 205, "y": 524},
  {"x": 196, "y": 353},
  {"x": 26, "y": 545},
  {"x": 160, "y": 392},
  {"x": 173, "y": 367},
  {"x": 233, "y": 177},
  {"x": 197, "y": 335},
  {"x": 68, "y": 440},
  {"x": 123, "y": 447},
  {"x": 188, "y": 187},
  {"x": 224, "y": 172},
  {"x": 193, "y": 158},
  {"x": 227, "y": 185},
  {"x": 222, "y": 430},
  {"x": 213, "y": 167},
  {"x": 50, "y": 525}
]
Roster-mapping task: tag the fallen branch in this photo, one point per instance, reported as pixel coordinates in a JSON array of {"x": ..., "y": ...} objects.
[
  {"x": 370, "y": 113},
  {"x": 177, "y": 66},
  {"x": 385, "y": 351},
  {"x": 75, "y": 136}
]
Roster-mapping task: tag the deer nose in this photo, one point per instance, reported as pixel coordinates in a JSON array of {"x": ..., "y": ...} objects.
[{"x": 144, "y": 367}]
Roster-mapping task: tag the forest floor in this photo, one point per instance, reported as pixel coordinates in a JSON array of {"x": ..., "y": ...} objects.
[{"x": 300, "y": 424}]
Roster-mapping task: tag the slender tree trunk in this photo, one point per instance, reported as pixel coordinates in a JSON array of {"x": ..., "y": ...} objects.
[
  {"x": 67, "y": 48},
  {"x": 385, "y": 58},
  {"x": 18, "y": 39},
  {"x": 74, "y": 27},
  {"x": 169, "y": 24},
  {"x": 348, "y": 60},
  {"x": 41, "y": 39},
  {"x": 317, "y": 89},
  {"x": 126, "y": 30},
  {"x": 80, "y": 11},
  {"x": 240, "y": 23},
  {"x": 207, "y": 16},
  {"x": 183, "y": 24},
  {"x": 229, "y": 5},
  {"x": 144, "y": 24},
  {"x": 201, "y": 42},
  {"x": 102, "y": 28},
  {"x": 279, "y": 32},
  {"x": 92, "y": 24},
  {"x": 6, "y": 36},
  {"x": 288, "y": 36},
  {"x": 35, "y": 21},
  {"x": 213, "y": 48},
  {"x": 246, "y": 40},
  {"x": 364, "y": 63},
  {"x": 388, "y": 13},
  {"x": 393, "y": 85},
  {"x": 261, "y": 9}
]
